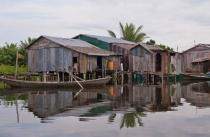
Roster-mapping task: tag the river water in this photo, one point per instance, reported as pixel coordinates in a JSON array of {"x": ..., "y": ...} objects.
[{"x": 176, "y": 109}]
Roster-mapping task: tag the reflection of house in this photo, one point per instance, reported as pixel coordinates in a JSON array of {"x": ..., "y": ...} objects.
[
  {"x": 197, "y": 94},
  {"x": 72, "y": 54},
  {"x": 45, "y": 104},
  {"x": 190, "y": 56},
  {"x": 148, "y": 98}
]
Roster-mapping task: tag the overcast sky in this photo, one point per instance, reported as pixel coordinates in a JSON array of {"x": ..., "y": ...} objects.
[{"x": 171, "y": 22}]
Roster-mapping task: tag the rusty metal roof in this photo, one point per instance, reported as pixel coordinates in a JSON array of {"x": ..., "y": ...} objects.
[
  {"x": 108, "y": 39},
  {"x": 79, "y": 46},
  {"x": 92, "y": 51},
  {"x": 125, "y": 46},
  {"x": 153, "y": 47},
  {"x": 201, "y": 59},
  {"x": 68, "y": 41},
  {"x": 201, "y": 45}
]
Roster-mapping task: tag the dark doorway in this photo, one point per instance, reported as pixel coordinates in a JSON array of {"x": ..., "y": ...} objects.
[
  {"x": 158, "y": 62},
  {"x": 158, "y": 96},
  {"x": 99, "y": 62}
]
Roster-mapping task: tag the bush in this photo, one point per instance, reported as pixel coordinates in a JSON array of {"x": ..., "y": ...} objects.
[{"x": 6, "y": 69}]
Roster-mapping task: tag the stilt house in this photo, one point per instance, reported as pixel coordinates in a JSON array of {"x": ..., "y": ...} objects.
[
  {"x": 47, "y": 54},
  {"x": 201, "y": 65},
  {"x": 150, "y": 58},
  {"x": 190, "y": 56},
  {"x": 116, "y": 45}
]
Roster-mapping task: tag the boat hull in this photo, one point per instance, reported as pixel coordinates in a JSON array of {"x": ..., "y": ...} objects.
[
  {"x": 194, "y": 77},
  {"x": 36, "y": 84}
]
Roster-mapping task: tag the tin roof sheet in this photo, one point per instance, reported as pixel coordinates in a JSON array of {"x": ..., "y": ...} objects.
[
  {"x": 201, "y": 45},
  {"x": 68, "y": 41},
  {"x": 125, "y": 46},
  {"x": 108, "y": 39},
  {"x": 92, "y": 50},
  {"x": 201, "y": 59},
  {"x": 153, "y": 47}
]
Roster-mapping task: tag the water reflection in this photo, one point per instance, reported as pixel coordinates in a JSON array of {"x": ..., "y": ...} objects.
[{"x": 131, "y": 101}]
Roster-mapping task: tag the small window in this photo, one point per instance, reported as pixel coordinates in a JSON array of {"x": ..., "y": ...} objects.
[{"x": 74, "y": 59}]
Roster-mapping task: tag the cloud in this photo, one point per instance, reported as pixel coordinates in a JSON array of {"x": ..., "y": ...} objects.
[{"x": 173, "y": 23}]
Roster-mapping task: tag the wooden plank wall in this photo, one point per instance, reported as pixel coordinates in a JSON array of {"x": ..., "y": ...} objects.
[{"x": 192, "y": 55}]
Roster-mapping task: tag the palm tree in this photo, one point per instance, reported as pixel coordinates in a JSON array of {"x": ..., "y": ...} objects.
[
  {"x": 129, "y": 119},
  {"x": 130, "y": 33}
]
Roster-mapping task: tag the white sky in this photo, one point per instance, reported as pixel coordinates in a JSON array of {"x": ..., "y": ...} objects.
[{"x": 170, "y": 22}]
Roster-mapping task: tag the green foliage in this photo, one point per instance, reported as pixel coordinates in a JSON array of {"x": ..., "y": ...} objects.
[
  {"x": 23, "y": 52},
  {"x": 151, "y": 42},
  {"x": 8, "y": 53},
  {"x": 6, "y": 69},
  {"x": 166, "y": 47},
  {"x": 130, "y": 33},
  {"x": 129, "y": 119}
]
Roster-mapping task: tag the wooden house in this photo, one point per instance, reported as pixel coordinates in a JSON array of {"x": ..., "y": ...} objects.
[
  {"x": 116, "y": 45},
  {"x": 150, "y": 58},
  {"x": 201, "y": 65},
  {"x": 135, "y": 57},
  {"x": 72, "y": 54},
  {"x": 190, "y": 56}
]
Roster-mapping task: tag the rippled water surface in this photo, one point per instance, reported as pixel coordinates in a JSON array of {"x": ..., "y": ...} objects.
[{"x": 115, "y": 111}]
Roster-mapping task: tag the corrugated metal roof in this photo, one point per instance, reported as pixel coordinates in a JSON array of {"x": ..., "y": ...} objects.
[
  {"x": 203, "y": 45},
  {"x": 79, "y": 46},
  {"x": 201, "y": 59},
  {"x": 92, "y": 50},
  {"x": 153, "y": 47},
  {"x": 108, "y": 39},
  {"x": 125, "y": 46},
  {"x": 68, "y": 41}
]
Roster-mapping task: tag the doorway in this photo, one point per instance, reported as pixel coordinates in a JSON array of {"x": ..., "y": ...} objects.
[
  {"x": 99, "y": 62},
  {"x": 158, "y": 62}
]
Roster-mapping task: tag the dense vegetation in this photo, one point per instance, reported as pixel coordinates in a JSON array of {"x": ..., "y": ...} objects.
[
  {"x": 152, "y": 42},
  {"x": 8, "y": 54}
]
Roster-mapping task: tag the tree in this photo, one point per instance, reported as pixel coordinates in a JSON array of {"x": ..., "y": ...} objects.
[
  {"x": 23, "y": 52},
  {"x": 8, "y": 54},
  {"x": 151, "y": 42},
  {"x": 130, "y": 33},
  {"x": 166, "y": 47}
]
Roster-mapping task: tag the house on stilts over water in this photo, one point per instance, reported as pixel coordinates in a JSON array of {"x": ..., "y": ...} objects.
[
  {"x": 138, "y": 57},
  {"x": 196, "y": 59},
  {"x": 51, "y": 55}
]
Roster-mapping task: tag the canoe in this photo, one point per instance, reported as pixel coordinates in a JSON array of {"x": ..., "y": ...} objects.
[
  {"x": 40, "y": 84},
  {"x": 188, "y": 76}
]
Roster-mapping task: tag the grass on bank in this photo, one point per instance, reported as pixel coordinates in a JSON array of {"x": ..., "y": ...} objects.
[{"x": 5, "y": 69}]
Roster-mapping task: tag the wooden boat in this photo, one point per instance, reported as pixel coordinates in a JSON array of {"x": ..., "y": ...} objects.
[
  {"x": 40, "y": 84},
  {"x": 193, "y": 76}
]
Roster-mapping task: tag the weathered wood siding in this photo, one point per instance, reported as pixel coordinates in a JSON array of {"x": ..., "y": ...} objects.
[
  {"x": 191, "y": 55},
  {"x": 43, "y": 54},
  {"x": 124, "y": 59},
  {"x": 40, "y": 60},
  {"x": 140, "y": 59}
]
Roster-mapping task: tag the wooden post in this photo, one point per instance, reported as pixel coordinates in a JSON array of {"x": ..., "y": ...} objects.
[
  {"x": 63, "y": 76},
  {"x": 58, "y": 76},
  {"x": 16, "y": 69},
  {"x": 44, "y": 76},
  {"x": 162, "y": 76}
]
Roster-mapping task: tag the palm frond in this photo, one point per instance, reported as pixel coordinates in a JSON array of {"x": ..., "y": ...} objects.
[{"x": 111, "y": 33}]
